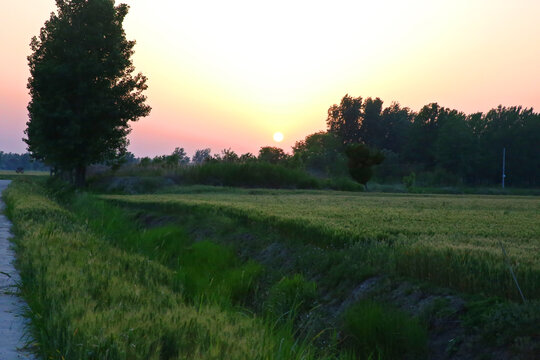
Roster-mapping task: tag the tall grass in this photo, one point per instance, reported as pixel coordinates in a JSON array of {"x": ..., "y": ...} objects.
[
  {"x": 91, "y": 299},
  {"x": 392, "y": 333}
]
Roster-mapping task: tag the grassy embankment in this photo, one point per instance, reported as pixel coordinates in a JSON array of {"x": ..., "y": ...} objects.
[
  {"x": 452, "y": 241},
  {"x": 341, "y": 239},
  {"x": 206, "y": 278},
  {"x": 93, "y": 297}
]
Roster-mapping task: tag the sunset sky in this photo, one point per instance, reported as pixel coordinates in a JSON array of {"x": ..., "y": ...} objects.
[{"x": 232, "y": 73}]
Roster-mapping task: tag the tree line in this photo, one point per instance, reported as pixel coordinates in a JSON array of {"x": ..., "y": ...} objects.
[
  {"x": 12, "y": 161},
  {"x": 444, "y": 144},
  {"x": 85, "y": 92}
]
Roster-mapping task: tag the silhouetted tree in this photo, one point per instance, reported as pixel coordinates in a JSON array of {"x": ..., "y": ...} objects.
[
  {"x": 371, "y": 128},
  {"x": 247, "y": 157},
  {"x": 344, "y": 119},
  {"x": 454, "y": 145},
  {"x": 423, "y": 133},
  {"x": 396, "y": 122},
  {"x": 82, "y": 87},
  {"x": 180, "y": 156},
  {"x": 361, "y": 161},
  {"x": 201, "y": 156},
  {"x": 229, "y": 155},
  {"x": 272, "y": 154}
]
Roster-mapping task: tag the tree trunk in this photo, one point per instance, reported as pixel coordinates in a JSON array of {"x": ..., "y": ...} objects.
[{"x": 80, "y": 176}]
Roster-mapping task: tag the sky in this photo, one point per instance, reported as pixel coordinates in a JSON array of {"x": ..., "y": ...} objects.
[{"x": 230, "y": 74}]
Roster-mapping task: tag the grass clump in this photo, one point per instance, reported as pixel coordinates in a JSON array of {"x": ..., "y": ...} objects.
[
  {"x": 382, "y": 332},
  {"x": 212, "y": 272},
  {"x": 290, "y": 297},
  {"x": 507, "y": 324}
]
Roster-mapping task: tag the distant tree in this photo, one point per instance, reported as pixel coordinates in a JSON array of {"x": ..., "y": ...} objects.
[
  {"x": 322, "y": 153},
  {"x": 420, "y": 147},
  {"x": 12, "y": 161},
  {"x": 518, "y": 130},
  {"x": 247, "y": 157},
  {"x": 454, "y": 145},
  {"x": 228, "y": 155},
  {"x": 82, "y": 87},
  {"x": 396, "y": 122},
  {"x": 272, "y": 154},
  {"x": 344, "y": 119},
  {"x": 122, "y": 158},
  {"x": 371, "y": 130},
  {"x": 145, "y": 161},
  {"x": 201, "y": 156},
  {"x": 361, "y": 161},
  {"x": 180, "y": 156}
]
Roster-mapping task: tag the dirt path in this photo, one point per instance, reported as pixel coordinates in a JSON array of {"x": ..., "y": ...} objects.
[{"x": 12, "y": 324}]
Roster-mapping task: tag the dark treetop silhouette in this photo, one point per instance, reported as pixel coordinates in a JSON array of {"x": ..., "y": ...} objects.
[{"x": 82, "y": 87}]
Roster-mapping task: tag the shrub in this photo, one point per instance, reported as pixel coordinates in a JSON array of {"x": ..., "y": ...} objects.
[
  {"x": 290, "y": 297},
  {"x": 409, "y": 181},
  {"x": 213, "y": 272},
  {"x": 372, "y": 329},
  {"x": 253, "y": 174}
]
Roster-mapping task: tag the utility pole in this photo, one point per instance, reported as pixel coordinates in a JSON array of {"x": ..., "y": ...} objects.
[{"x": 504, "y": 167}]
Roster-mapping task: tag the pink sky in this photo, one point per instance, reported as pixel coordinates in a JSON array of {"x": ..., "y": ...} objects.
[{"x": 231, "y": 74}]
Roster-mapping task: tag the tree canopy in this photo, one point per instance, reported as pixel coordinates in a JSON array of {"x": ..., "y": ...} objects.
[
  {"x": 443, "y": 146},
  {"x": 82, "y": 86}
]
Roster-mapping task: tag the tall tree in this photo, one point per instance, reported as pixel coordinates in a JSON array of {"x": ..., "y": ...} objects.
[
  {"x": 344, "y": 119},
  {"x": 83, "y": 90},
  {"x": 395, "y": 123},
  {"x": 422, "y": 134},
  {"x": 454, "y": 145},
  {"x": 371, "y": 129}
]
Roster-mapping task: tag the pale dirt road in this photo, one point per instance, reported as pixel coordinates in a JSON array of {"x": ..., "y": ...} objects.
[{"x": 12, "y": 324}]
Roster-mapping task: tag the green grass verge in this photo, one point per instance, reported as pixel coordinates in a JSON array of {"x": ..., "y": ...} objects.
[
  {"x": 90, "y": 299},
  {"x": 370, "y": 325}
]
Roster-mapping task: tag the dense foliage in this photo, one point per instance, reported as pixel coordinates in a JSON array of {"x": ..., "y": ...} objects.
[
  {"x": 82, "y": 87},
  {"x": 361, "y": 161},
  {"x": 443, "y": 146}
]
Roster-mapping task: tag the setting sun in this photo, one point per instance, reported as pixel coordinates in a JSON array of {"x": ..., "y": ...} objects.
[{"x": 278, "y": 137}]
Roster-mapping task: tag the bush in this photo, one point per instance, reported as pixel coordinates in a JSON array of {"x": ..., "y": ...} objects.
[
  {"x": 409, "y": 181},
  {"x": 251, "y": 174},
  {"x": 344, "y": 184},
  {"x": 212, "y": 272},
  {"x": 290, "y": 297},
  {"x": 372, "y": 329}
]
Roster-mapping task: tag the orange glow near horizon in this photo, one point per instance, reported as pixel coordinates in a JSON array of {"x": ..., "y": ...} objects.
[{"x": 228, "y": 74}]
